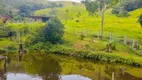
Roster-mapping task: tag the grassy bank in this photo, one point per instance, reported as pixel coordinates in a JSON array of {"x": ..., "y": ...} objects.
[
  {"x": 101, "y": 56},
  {"x": 90, "y": 26}
]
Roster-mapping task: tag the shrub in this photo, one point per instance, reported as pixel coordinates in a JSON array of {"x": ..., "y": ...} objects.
[
  {"x": 82, "y": 36},
  {"x": 52, "y": 32},
  {"x": 139, "y": 52},
  {"x": 123, "y": 14},
  {"x": 2, "y": 51},
  {"x": 38, "y": 47},
  {"x": 4, "y": 30},
  {"x": 140, "y": 20}
]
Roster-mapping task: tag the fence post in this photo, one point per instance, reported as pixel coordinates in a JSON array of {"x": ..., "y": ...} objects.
[
  {"x": 110, "y": 37},
  {"x": 5, "y": 60},
  {"x": 137, "y": 45},
  {"x": 123, "y": 71},
  {"x": 86, "y": 32},
  {"x": 99, "y": 74},
  {"x": 74, "y": 33},
  {"x": 99, "y": 34},
  {"x": 141, "y": 75},
  {"x": 18, "y": 36},
  {"x": 125, "y": 40},
  {"x": 133, "y": 44}
]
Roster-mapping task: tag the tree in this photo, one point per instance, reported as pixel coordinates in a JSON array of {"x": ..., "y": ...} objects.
[
  {"x": 44, "y": 70},
  {"x": 140, "y": 20},
  {"x": 6, "y": 9},
  {"x": 3, "y": 9},
  {"x": 61, "y": 5},
  {"x": 53, "y": 31},
  {"x": 25, "y": 10},
  {"x": 91, "y": 7}
]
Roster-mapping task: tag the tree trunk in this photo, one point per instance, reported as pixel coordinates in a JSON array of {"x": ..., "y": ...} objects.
[{"x": 102, "y": 25}]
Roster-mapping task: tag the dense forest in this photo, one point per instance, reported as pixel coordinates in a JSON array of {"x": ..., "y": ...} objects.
[{"x": 108, "y": 32}]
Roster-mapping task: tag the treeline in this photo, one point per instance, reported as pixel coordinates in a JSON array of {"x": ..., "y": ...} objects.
[
  {"x": 24, "y": 7},
  {"x": 126, "y": 6},
  {"x": 119, "y": 7},
  {"x": 28, "y": 9}
]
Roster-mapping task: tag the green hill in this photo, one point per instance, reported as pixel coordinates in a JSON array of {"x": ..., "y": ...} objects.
[
  {"x": 118, "y": 26},
  {"x": 91, "y": 25}
]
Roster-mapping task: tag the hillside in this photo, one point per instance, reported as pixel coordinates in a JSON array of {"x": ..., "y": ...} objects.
[
  {"x": 118, "y": 26},
  {"x": 82, "y": 32},
  {"x": 90, "y": 27},
  {"x": 93, "y": 23}
]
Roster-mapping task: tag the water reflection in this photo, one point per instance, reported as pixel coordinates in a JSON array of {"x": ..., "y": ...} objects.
[
  {"x": 73, "y": 77},
  {"x": 54, "y": 67},
  {"x": 47, "y": 67},
  {"x": 2, "y": 75},
  {"x": 21, "y": 76},
  {"x": 118, "y": 73}
]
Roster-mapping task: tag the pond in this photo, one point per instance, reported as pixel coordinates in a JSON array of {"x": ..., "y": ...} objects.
[{"x": 58, "y": 67}]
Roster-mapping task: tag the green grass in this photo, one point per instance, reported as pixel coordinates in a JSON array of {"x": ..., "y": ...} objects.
[
  {"x": 4, "y": 43},
  {"x": 132, "y": 60},
  {"x": 119, "y": 27}
]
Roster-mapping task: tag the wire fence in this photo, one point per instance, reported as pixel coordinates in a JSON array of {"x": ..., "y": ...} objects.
[
  {"x": 134, "y": 44},
  {"x": 108, "y": 37}
]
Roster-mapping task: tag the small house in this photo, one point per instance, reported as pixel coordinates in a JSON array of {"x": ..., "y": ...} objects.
[{"x": 39, "y": 18}]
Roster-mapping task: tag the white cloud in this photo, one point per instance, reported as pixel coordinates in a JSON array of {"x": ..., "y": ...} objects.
[{"x": 67, "y": 0}]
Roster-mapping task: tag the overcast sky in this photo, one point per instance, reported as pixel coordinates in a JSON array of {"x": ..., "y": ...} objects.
[{"x": 67, "y": 0}]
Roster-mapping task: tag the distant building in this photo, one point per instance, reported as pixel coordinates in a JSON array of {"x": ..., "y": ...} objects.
[{"x": 39, "y": 18}]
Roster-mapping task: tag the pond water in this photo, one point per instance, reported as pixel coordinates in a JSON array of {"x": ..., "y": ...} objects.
[{"x": 57, "y": 67}]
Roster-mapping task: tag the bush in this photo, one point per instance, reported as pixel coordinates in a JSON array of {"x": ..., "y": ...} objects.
[
  {"x": 52, "y": 32},
  {"x": 123, "y": 14},
  {"x": 82, "y": 36},
  {"x": 140, "y": 20},
  {"x": 139, "y": 52},
  {"x": 4, "y": 30},
  {"x": 38, "y": 47},
  {"x": 2, "y": 51}
]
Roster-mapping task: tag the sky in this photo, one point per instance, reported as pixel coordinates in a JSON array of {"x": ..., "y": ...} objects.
[{"x": 67, "y": 0}]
